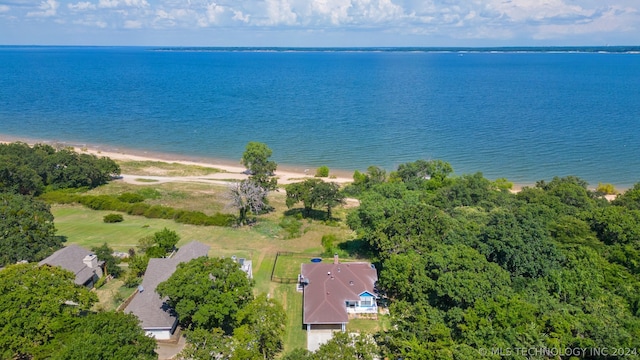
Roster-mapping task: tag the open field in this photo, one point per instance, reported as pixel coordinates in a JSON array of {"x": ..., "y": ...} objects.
[{"x": 155, "y": 168}]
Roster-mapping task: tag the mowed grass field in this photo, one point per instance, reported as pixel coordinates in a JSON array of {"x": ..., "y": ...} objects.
[{"x": 259, "y": 243}]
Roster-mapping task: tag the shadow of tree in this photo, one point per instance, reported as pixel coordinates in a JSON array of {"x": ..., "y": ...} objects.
[
  {"x": 314, "y": 214},
  {"x": 357, "y": 248}
]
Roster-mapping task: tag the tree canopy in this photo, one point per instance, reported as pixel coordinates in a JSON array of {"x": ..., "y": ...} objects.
[
  {"x": 207, "y": 292},
  {"x": 106, "y": 335},
  {"x": 29, "y": 170},
  {"x": 27, "y": 231},
  {"x": 256, "y": 159},
  {"x": 313, "y": 193},
  {"x": 467, "y": 265},
  {"x": 37, "y": 303}
]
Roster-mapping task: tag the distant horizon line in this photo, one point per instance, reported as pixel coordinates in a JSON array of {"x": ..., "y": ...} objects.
[{"x": 514, "y": 48}]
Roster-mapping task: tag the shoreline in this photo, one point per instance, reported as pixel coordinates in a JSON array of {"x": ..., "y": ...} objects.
[{"x": 285, "y": 173}]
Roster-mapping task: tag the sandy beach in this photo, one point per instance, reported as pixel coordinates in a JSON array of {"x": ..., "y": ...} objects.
[{"x": 228, "y": 171}]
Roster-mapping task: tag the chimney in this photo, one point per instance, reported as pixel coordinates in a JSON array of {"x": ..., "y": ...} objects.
[
  {"x": 91, "y": 261},
  {"x": 335, "y": 259}
]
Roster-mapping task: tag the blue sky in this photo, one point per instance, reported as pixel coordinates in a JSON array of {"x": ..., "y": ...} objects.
[{"x": 320, "y": 22}]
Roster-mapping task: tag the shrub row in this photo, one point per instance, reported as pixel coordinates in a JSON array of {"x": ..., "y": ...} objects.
[
  {"x": 113, "y": 203},
  {"x": 113, "y": 218}
]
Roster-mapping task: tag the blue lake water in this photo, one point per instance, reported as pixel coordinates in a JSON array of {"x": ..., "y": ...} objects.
[{"x": 525, "y": 116}]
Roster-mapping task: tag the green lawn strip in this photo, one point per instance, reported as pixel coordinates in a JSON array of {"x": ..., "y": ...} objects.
[
  {"x": 295, "y": 336},
  {"x": 262, "y": 275},
  {"x": 369, "y": 326}
]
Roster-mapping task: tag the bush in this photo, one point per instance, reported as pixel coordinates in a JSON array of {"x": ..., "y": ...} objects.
[
  {"x": 138, "y": 209},
  {"x": 291, "y": 227},
  {"x": 100, "y": 282},
  {"x": 113, "y": 218},
  {"x": 322, "y": 171},
  {"x": 328, "y": 242},
  {"x": 131, "y": 198},
  {"x": 607, "y": 189},
  {"x": 159, "y": 212}
]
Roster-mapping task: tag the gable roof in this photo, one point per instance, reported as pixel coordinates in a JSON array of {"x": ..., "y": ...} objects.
[
  {"x": 153, "y": 312},
  {"x": 71, "y": 258},
  {"x": 330, "y": 286}
]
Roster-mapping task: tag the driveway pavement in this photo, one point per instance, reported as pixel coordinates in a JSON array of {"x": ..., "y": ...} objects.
[{"x": 315, "y": 338}]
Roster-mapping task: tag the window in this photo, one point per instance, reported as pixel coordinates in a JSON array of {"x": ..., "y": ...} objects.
[{"x": 366, "y": 301}]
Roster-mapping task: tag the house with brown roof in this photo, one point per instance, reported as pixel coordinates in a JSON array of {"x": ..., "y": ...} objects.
[
  {"x": 333, "y": 291},
  {"x": 82, "y": 262},
  {"x": 157, "y": 318}
]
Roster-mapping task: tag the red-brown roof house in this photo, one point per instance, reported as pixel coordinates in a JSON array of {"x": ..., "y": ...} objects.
[{"x": 333, "y": 290}]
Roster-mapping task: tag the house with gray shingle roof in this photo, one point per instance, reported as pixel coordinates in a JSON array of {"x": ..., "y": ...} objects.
[
  {"x": 82, "y": 262},
  {"x": 333, "y": 291},
  {"x": 157, "y": 318}
]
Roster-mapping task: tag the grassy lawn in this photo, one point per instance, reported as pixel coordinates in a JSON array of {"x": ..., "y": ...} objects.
[
  {"x": 368, "y": 325},
  {"x": 159, "y": 168},
  {"x": 112, "y": 294},
  {"x": 295, "y": 336}
]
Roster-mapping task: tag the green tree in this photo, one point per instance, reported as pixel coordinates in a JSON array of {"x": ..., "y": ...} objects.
[
  {"x": 616, "y": 225},
  {"x": 328, "y": 195},
  {"x": 166, "y": 239},
  {"x": 297, "y": 354},
  {"x": 36, "y": 304},
  {"x": 105, "y": 253},
  {"x": 312, "y": 193},
  {"x": 630, "y": 198},
  {"x": 207, "y": 292},
  {"x": 347, "y": 346},
  {"x": 302, "y": 192},
  {"x": 256, "y": 159},
  {"x": 520, "y": 245},
  {"x": 106, "y": 335},
  {"x": 206, "y": 345},
  {"x": 26, "y": 229},
  {"x": 20, "y": 179},
  {"x": 263, "y": 321},
  {"x": 418, "y": 173}
]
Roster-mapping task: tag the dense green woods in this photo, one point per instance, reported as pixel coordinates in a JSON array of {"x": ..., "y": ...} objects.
[
  {"x": 27, "y": 224},
  {"x": 31, "y": 170},
  {"x": 44, "y": 315},
  {"x": 468, "y": 266}
]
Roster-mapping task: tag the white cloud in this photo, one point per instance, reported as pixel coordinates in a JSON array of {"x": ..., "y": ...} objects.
[
  {"x": 214, "y": 11},
  {"x": 91, "y": 23},
  {"x": 420, "y": 20},
  {"x": 81, "y": 6},
  {"x": 279, "y": 12},
  {"x": 122, "y": 3},
  {"x": 46, "y": 8},
  {"x": 522, "y": 10},
  {"x": 609, "y": 20},
  {"x": 132, "y": 24},
  {"x": 238, "y": 15}
]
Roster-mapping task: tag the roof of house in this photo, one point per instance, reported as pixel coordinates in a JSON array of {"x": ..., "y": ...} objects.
[
  {"x": 330, "y": 286},
  {"x": 153, "y": 312},
  {"x": 71, "y": 258}
]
